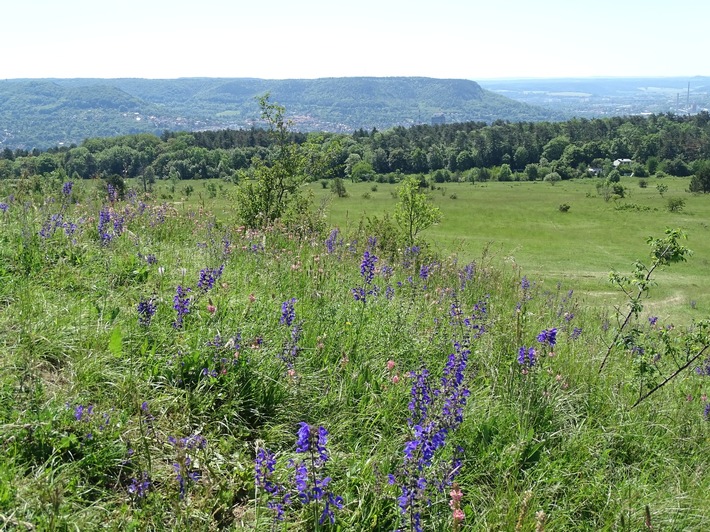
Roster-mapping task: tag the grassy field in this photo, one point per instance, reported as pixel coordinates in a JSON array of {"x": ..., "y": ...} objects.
[
  {"x": 162, "y": 368},
  {"x": 521, "y": 224}
]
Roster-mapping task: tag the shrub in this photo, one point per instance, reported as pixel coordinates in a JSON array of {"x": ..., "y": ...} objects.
[
  {"x": 338, "y": 187},
  {"x": 564, "y": 207},
  {"x": 643, "y": 183},
  {"x": 553, "y": 177},
  {"x": 618, "y": 190},
  {"x": 675, "y": 204}
]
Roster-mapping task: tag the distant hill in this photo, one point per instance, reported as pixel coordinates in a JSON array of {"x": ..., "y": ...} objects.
[{"x": 43, "y": 113}]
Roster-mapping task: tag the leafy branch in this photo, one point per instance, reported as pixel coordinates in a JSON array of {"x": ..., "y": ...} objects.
[{"x": 664, "y": 251}]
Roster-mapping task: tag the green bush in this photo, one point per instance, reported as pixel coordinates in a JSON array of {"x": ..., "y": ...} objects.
[{"x": 675, "y": 204}]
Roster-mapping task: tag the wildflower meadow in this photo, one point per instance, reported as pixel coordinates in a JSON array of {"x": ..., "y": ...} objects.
[{"x": 164, "y": 368}]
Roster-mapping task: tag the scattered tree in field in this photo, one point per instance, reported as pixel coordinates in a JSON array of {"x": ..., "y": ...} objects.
[
  {"x": 675, "y": 204},
  {"x": 338, "y": 187},
  {"x": 414, "y": 213},
  {"x": 552, "y": 178},
  {"x": 277, "y": 181}
]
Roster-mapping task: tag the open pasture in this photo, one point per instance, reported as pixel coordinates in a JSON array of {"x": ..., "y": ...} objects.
[{"x": 519, "y": 223}]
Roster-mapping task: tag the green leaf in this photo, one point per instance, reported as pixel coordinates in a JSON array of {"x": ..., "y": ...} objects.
[{"x": 115, "y": 344}]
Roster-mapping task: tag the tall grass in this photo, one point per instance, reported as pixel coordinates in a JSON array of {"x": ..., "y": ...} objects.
[{"x": 111, "y": 421}]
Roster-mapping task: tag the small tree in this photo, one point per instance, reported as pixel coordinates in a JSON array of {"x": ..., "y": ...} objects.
[
  {"x": 338, "y": 187},
  {"x": 552, "y": 178},
  {"x": 414, "y": 212},
  {"x": 277, "y": 183},
  {"x": 505, "y": 173}
]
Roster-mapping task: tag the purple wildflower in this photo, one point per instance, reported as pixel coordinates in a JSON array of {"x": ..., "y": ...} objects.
[
  {"x": 424, "y": 272},
  {"x": 291, "y": 349},
  {"x": 548, "y": 336},
  {"x": 4, "y": 207},
  {"x": 332, "y": 241},
  {"x": 313, "y": 442},
  {"x": 288, "y": 312},
  {"x": 181, "y": 304},
  {"x": 525, "y": 284},
  {"x": 367, "y": 267},
  {"x": 389, "y": 292},
  {"x": 104, "y": 220},
  {"x": 264, "y": 466},
  {"x": 146, "y": 310},
  {"x": 208, "y": 277},
  {"x": 140, "y": 485},
  {"x": 434, "y": 415},
  {"x": 67, "y": 187},
  {"x": 466, "y": 274},
  {"x": 526, "y": 356}
]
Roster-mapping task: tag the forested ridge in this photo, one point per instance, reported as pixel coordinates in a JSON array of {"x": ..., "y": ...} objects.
[
  {"x": 43, "y": 113},
  {"x": 468, "y": 151}
]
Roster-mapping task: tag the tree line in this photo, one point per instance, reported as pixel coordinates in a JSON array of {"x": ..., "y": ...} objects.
[{"x": 468, "y": 151}]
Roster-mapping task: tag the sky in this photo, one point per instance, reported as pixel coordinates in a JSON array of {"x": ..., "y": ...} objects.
[{"x": 281, "y": 39}]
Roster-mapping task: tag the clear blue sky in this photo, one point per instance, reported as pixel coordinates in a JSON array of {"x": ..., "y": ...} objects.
[{"x": 471, "y": 39}]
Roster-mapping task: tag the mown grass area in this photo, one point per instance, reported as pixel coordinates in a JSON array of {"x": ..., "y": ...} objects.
[
  {"x": 159, "y": 363},
  {"x": 520, "y": 223}
]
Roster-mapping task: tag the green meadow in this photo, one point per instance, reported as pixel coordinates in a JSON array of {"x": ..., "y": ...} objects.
[
  {"x": 520, "y": 225},
  {"x": 164, "y": 368}
]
